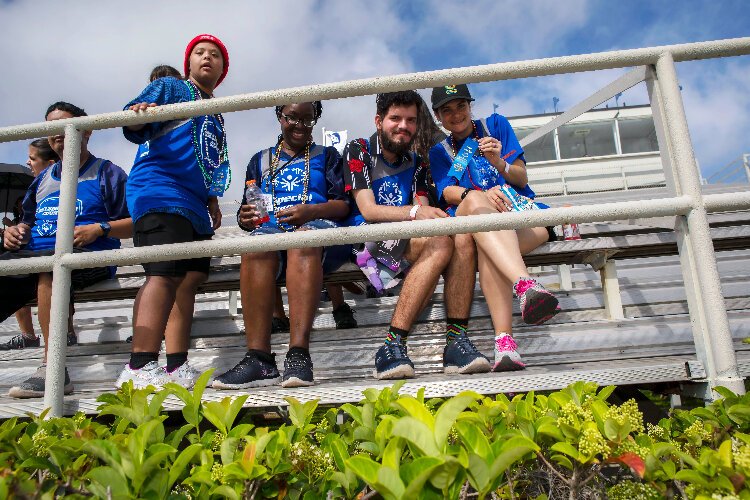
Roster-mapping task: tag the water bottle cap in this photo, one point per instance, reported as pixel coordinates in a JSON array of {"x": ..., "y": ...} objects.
[{"x": 251, "y": 181}]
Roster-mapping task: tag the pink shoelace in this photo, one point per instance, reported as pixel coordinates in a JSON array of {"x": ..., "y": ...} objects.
[
  {"x": 505, "y": 343},
  {"x": 523, "y": 284}
]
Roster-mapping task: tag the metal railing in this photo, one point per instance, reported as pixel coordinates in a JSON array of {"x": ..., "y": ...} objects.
[
  {"x": 738, "y": 170},
  {"x": 656, "y": 66}
]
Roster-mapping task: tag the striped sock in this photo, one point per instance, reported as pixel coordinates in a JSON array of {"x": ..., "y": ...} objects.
[
  {"x": 455, "y": 327},
  {"x": 393, "y": 332}
]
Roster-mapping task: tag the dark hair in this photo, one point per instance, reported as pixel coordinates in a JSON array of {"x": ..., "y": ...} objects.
[
  {"x": 317, "y": 109},
  {"x": 162, "y": 71},
  {"x": 383, "y": 102},
  {"x": 67, "y": 107},
  {"x": 428, "y": 133},
  {"x": 46, "y": 153}
]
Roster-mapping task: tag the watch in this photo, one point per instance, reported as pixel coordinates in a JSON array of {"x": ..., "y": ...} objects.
[
  {"x": 466, "y": 191},
  {"x": 106, "y": 228}
]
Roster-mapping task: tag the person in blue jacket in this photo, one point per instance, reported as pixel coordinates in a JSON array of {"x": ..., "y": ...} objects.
[
  {"x": 180, "y": 168},
  {"x": 303, "y": 189},
  {"x": 469, "y": 168},
  {"x": 101, "y": 219}
]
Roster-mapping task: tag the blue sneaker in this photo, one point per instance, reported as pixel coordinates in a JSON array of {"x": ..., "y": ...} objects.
[
  {"x": 461, "y": 356},
  {"x": 253, "y": 371},
  {"x": 298, "y": 370},
  {"x": 392, "y": 361}
]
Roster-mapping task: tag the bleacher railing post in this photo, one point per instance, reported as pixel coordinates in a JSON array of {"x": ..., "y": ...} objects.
[
  {"x": 54, "y": 388},
  {"x": 711, "y": 333}
]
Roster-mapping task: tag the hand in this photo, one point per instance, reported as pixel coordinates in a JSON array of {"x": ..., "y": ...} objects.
[
  {"x": 214, "y": 211},
  {"x": 16, "y": 236},
  {"x": 7, "y": 222},
  {"x": 492, "y": 148},
  {"x": 427, "y": 212},
  {"x": 248, "y": 217},
  {"x": 86, "y": 234},
  {"x": 142, "y": 106},
  {"x": 296, "y": 215},
  {"x": 497, "y": 199}
]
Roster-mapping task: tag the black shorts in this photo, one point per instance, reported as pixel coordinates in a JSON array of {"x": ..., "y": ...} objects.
[
  {"x": 551, "y": 232},
  {"x": 160, "y": 229}
]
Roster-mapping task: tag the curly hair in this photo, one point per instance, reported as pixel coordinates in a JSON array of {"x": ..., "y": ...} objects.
[{"x": 317, "y": 109}]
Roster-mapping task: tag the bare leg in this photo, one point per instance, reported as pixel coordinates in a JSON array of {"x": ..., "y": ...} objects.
[
  {"x": 498, "y": 293},
  {"x": 177, "y": 331},
  {"x": 336, "y": 293},
  {"x": 44, "y": 304},
  {"x": 257, "y": 286},
  {"x": 429, "y": 257},
  {"x": 303, "y": 294},
  {"x": 460, "y": 277},
  {"x": 23, "y": 316},
  {"x": 278, "y": 307},
  {"x": 151, "y": 311}
]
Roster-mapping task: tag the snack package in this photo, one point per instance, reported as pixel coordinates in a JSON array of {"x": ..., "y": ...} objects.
[{"x": 518, "y": 202}]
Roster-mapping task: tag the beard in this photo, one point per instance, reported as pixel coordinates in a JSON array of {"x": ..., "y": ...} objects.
[{"x": 397, "y": 148}]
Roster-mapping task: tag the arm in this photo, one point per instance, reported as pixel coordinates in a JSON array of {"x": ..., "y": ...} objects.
[
  {"x": 157, "y": 93},
  {"x": 88, "y": 233},
  {"x": 16, "y": 236},
  {"x": 247, "y": 216},
  {"x": 503, "y": 145},
  {"x": 372, "y": 212}
]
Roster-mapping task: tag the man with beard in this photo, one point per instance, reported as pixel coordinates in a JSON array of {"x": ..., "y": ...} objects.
[{"x": 387, "y": 183}]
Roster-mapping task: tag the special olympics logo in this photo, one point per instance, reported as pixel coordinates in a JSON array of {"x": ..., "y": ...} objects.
[
  {"x": 389, "y": 193},
  {"x": 46, "y": 215}
]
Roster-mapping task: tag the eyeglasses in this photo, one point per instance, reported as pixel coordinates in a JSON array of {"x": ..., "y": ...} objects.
[{"x": 306, "y": 122}]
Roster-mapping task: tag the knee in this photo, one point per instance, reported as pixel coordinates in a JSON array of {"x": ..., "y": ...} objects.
[
  {"x": 304, "y": 255},
  {"x": 442, "y": 246},
  {"x": 464, "y": 247},
  {"x": 259, "y": 258}
]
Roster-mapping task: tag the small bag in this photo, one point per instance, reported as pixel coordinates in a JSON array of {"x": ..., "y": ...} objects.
[{"x": 519, "y": 203}]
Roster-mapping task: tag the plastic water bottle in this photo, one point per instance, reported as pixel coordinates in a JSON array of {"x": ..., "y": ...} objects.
[
  {"x": 570, "y": 229},
  {"x": 254, "y": 196}
]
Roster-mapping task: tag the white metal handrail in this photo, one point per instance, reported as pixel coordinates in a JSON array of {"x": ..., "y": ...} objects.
[{"x": 698, "y": 261}]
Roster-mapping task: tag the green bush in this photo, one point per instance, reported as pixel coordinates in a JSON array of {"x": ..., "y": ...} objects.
[{"x": 568, "y": 444}]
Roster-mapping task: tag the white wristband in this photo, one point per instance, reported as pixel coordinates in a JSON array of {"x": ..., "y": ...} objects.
[
  {"x": 507, "y": 167},
  {"x": 413, "y": 211}
]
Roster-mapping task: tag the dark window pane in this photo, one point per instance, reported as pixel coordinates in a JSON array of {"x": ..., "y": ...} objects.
[
  {"x": 638, "y": 135},
  {"x": 586, "y": 139},
  {"x": 542, "y": 149}
]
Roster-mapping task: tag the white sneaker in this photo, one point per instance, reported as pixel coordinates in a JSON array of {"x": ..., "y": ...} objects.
[
  {"x": 506, "y": 354},
  {"x": 185, "y": 375},
  {"x": 151, "y": 374}
]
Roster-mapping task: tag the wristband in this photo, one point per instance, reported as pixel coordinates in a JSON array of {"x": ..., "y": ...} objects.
[
  {"x": 507, "y": 167},
  {"x": 465, "y": 193},
  {"x": 413, "y": 211}
]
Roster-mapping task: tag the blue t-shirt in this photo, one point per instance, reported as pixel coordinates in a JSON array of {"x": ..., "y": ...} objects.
[
  {"x": 480, "y": 174},
  {"x": 167, "y": 176},
  {"x": 392, "y": 184},
  {"x": 100, "y": 197},
  {"x": 325, "y": 181}
]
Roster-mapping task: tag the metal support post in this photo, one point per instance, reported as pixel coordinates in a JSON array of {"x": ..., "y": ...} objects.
[
  {"x": 54, "y": 385},
  {"x": 611, "y": 289},
  {"x": 563, "y": 273},
  {"x": 233, "y": 302},
  {"x": 713, "y": 338}
]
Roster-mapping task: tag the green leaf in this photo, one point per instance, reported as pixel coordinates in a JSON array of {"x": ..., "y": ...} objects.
[
  {"x": 551, "y": 430},
  {"x": 567, "y": 449},
  {"x": 181, "y": 462},
  {"x": 110, "y": 483},
  {"x": 412, "y": 407},
  {"x": 724, "y": 392},
  {"x": 563, "y": 460},
  {"x": 364, "y": 467},
  {"x": 445, "y": 475},
  {"x": 479, "y": 473},
  {"x": 513, "y": 449},
  {"x": 611, "y": 429},
  {"x": 392, "y": 453},
  {"x": 389, "y": 483},
  {"x": 446, "y": 415},
  {"x": 228, "y": 449},
  {"x": 691, "y": 476},
  {"x": 416, "y": 473},
  {"x": 418, "y": 434},
  {"x": 474, "y": 440},
  {"x": 724, "y": 454},
  {"x": 225, "y": 491},
  {"x": 606, "y": 392}
]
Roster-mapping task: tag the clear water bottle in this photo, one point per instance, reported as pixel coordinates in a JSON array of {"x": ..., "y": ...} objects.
[
  {"x": 254, "y": 196},
  {"x": 570, "y": 229}
]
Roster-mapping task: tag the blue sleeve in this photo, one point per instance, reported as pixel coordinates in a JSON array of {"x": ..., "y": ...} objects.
[
  {"x": 335, "y": 175},
  {"x": 500, "y": 128},
  {"x": 28, "y": 205},
  {"x": 112, "y": 181},
  {"x": 440, "y": 164},
  {"x": 160, "y": 92}
]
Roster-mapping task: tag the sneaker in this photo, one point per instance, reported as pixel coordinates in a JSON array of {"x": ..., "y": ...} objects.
[
  {"x": 537, "y": 304},
  {"x": 250, "y": 372},
  {"x": 298, "y": 370},
  {"x": 20, "y": 341},
  {"x": 343, "y": 315},
  {"x": 184, "y": 375},
  {"x": 72, "y": 338},
  {"x": 129, "y": 340},
  {"x": 33, "y": 387},
  {"x": 506, "y": 354},
  {"x": 280, "y": 325},
  {"x": 150, "y": 375},
  {"x": 461, "y": 356},
  {"x": 392, "y": 361}
]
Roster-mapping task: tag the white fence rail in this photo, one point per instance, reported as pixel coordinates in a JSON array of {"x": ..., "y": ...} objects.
[{"x": 655, "y": 67}]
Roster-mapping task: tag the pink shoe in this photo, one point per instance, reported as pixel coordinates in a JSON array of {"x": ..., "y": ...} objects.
[
  {"x": 506, "y": 354},
  {"x": 537, "y": 304}
]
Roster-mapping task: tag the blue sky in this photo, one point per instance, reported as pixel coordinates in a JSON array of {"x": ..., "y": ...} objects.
[{"x": 98, "y": 55}]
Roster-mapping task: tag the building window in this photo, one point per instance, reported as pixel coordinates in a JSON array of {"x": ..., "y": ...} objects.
[
  {"x": 586, "y": 139},
  {"x": 638, "y": 135},
  {"x": 542, "y": 149}
]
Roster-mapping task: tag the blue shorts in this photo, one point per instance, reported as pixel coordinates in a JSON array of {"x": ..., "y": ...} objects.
[{"x": 332, "y": 257}]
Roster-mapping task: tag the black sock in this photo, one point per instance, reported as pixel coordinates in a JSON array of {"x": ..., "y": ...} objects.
[
  {"x": 140, "y": 359},
  {"x": 176, "y": 360},
  {"x": 301, "y": 350},
  {"x": 393, "y": 331},
  {"x": 455, "y": 327},
  {"x": 268, "y": 357}
]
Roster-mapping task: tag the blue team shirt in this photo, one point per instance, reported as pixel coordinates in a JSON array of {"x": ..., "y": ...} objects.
[
  {"x": 480, "y": 174},
  {"x": 166, "y": 176},
  {"x": 100, "y": 197},
  {"x": 325, "y": 182}
]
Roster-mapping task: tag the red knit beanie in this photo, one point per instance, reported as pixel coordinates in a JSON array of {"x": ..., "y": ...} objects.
[{"x": 207, "y": 38}]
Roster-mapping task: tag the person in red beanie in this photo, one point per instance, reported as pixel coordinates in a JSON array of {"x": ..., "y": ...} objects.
[{"x": 180, "y": 168}]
